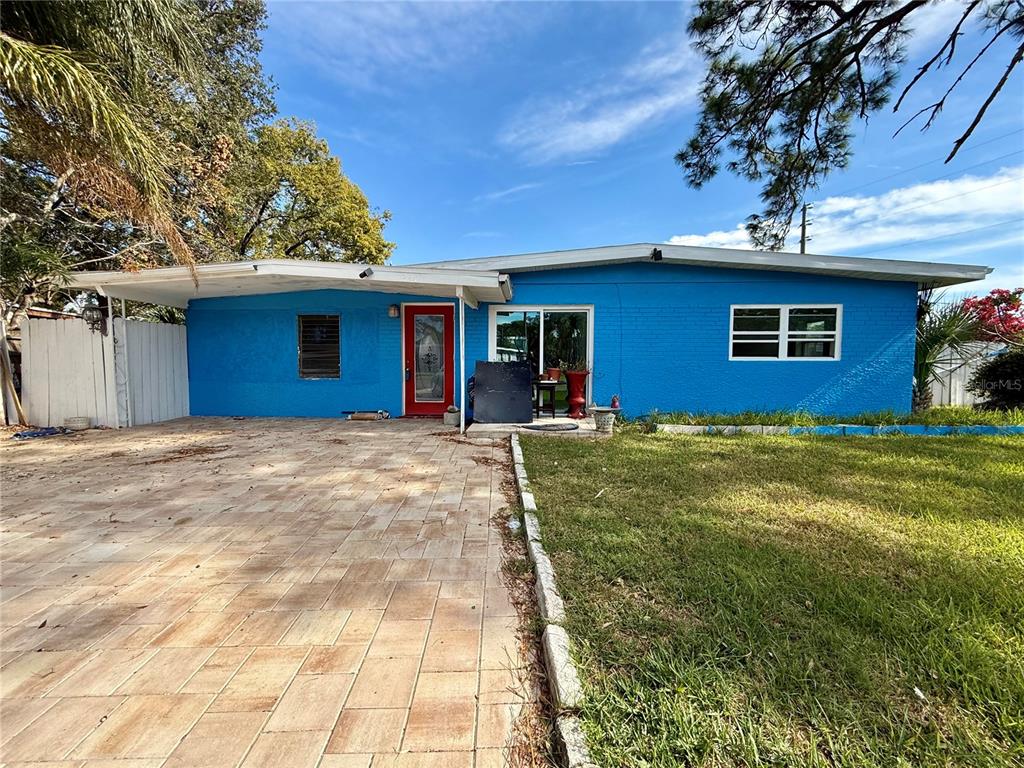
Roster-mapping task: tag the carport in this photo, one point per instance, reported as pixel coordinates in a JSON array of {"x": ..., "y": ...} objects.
[{"x": 323, "y": 294}]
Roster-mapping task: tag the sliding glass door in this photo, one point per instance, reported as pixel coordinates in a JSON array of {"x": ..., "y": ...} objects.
[
  {"x": 544, "y": 337},
  {"x": 565, "y": 339}
]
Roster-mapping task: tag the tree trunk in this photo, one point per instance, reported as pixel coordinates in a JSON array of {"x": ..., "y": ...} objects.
[
  {"x": 7, "y": 373},
  {"x": 922, "y": 400}
]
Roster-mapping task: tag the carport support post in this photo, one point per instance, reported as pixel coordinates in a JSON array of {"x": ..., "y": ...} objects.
[
  {"x": 109, "y": 366},
  {"x": 127, "y": 370},
  {"x": 462, "y": 360}
]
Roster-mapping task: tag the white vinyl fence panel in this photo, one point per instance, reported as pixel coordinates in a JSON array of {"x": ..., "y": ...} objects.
[
  {"x": 153, "y": 357},
  {"x": 66, "y": 370},
  {"x": 138, "y": 374},
  {"x": 955, "y": 371}
]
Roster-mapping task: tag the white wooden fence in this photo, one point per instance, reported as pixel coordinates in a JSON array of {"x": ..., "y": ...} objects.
[
  {"x": 955, "y": 370},
  {"x": 135, "y": 374},
  {"x": 153, "y": 358}
]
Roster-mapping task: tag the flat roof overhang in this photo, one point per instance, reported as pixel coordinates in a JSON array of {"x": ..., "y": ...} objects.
[
  {"x": 925, "y": 274},
  {"x": 175, "y": 286}
]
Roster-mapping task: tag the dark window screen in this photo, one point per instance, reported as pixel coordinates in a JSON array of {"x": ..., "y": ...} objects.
[{"x": 320, "y": 346}]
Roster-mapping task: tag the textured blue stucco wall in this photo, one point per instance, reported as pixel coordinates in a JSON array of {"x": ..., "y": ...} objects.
[
  {"x": 661, "y": 342},
  {"x": 243, "y": 355},
  {"x": 661, "y": 338}
]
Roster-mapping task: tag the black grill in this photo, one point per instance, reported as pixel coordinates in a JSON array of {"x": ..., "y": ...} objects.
[{"x": 320, "y": 346}]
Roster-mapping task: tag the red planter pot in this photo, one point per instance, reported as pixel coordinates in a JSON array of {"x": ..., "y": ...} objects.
[{"x": 577, "y": 381}]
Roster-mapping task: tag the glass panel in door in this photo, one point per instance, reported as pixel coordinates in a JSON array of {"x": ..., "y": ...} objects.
[
  {"x": 565, "y": 346},
  {"x": 518, "y": 338},
  {"x": 429, "y": 358}
]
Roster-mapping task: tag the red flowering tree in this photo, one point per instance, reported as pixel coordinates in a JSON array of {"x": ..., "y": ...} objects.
[{"x": 1000, "y": 315}]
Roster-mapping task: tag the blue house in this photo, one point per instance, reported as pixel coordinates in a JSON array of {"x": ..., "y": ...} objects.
[{"x": 665, "y": 327}]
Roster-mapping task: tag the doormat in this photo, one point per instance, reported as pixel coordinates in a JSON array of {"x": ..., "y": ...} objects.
[{"x": 552, "y": 427}]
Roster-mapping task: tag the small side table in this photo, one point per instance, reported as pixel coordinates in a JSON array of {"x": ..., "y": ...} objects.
[{"x": 542, "y": 386}]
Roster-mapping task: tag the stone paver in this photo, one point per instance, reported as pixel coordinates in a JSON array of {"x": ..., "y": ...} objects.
[{"x": 256, "y": 592}]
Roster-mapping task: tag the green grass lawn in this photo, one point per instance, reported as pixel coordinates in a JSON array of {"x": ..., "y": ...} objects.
[
  {"x": 811, "y": 601},
  {"x": 947, "y": 415}
]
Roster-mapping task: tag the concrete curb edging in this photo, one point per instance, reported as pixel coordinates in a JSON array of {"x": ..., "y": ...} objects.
[
  {"x": 563, "y": 678},
  {"x": 842, "y": 429}
]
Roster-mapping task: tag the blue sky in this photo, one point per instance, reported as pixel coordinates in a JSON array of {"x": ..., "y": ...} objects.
[{"x": 506, "y": 128}]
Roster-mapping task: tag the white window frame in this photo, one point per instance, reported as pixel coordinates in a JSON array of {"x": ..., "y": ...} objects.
[
  {"x": 492, "y": 330},
  {"x": 784, "y": 332}
]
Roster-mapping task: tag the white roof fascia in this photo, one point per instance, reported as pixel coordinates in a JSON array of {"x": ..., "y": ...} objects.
[
  {"x": 175, "y": 286},
  {"x": 924, "y": 273}
]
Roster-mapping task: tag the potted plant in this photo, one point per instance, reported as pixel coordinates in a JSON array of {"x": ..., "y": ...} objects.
[
  {"x": 576, "y": 373},
  {"x": 553, "y": 373}
]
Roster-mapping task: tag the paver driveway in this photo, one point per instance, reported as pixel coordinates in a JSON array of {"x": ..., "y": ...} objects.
[{"x": 263, "y": 592}]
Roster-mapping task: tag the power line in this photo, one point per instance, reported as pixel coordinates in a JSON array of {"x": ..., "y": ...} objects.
[
  {"x": 944, "y": 237},
  {"x": 936, "y": 178},
  {"x": 895, "y": 211},
  {"x": 938, "y": 160}
]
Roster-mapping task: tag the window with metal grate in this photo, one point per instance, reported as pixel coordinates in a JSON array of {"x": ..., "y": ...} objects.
[{"x": 320, "y": 346}]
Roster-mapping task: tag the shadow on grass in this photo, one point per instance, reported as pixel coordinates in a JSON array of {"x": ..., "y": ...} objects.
[{"x": 793, "y": 602}]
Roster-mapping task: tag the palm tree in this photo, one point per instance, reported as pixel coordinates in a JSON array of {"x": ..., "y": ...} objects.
[
  {"x": 943, "y": 329},
  {"x": 71, "y": 73},
  {"x": 72, "y": 77}
]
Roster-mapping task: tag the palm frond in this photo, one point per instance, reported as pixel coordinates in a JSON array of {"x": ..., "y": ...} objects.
[
  {"x": 51, "y": 81},
  {"x": 943, "y": 329},
  {"x": 112, "y": 30},
  {"x": 167, "y": 25}
]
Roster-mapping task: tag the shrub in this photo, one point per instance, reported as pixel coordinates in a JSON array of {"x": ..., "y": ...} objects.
[{"x": 1000, "y": 380}]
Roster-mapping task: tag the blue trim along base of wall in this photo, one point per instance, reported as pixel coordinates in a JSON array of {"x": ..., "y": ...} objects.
[{"x": 919, "y": 430}]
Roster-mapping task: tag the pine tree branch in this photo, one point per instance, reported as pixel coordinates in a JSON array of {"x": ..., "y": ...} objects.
[{"x": 991, "y": 97}]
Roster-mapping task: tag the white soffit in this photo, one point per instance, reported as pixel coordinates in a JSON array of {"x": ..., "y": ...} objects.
[
  {"x": 925, "y": 274},
  {"x": 175, "y": 286}
]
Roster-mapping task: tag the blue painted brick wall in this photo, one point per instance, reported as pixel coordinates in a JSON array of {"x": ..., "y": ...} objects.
[
  {"x": 243, "y": 355},
  {"x": 661, "y": 338},
  {"x": 661, "y": 342}
]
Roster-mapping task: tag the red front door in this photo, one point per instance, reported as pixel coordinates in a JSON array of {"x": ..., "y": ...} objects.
[{"x": 429, "y": 357}]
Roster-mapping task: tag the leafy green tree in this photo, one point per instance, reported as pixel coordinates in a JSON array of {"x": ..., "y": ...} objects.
[
  {"x": 288, "y": 198},
  {"x": 787, "y": 79}
]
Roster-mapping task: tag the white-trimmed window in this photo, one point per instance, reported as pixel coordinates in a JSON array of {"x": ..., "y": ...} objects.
[
  {"x": 785, "y": 331},
  {"x": 544, "y": 336}
]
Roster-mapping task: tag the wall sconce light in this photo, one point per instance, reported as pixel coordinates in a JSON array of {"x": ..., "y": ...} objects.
[
  {"x": 94, "y": 318},
  {"x": 394, "y": 310}
]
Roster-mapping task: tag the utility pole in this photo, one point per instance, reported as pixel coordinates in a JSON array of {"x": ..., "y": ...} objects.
[{"x": 803, "y": 227}]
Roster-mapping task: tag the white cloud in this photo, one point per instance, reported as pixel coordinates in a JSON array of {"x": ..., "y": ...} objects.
[
  {"x": 727, "y": 238},
  {"x": 659, "y": 81},
  {"x": 501, "y": 194},
  {"x": 932, "y": 22},
  {"x": 889, "y": 225},
  {"x": 368, "y": 45}
]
